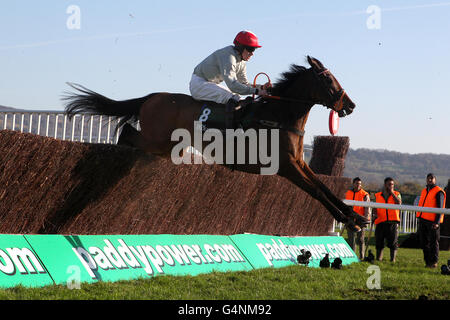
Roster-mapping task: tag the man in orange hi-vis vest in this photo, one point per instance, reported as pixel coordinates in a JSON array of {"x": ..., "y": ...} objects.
[
  {"x": 429, "y": 223},
  {"x": 357, "y": 193},
  {"x": 387, "y": 220}
]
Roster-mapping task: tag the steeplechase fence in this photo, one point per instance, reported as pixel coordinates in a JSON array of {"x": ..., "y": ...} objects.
[{"x": 93, "y": 128}]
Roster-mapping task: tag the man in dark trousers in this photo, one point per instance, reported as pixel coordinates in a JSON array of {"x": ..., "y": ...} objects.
[
  {"x": 446, "y": 190},
  {"x": 429, "y": 223},
  {"x": 387, "y": 220},
  {"x": 359, "y": 194}
]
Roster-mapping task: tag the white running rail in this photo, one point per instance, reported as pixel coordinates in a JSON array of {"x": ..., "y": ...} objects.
[
  {"x": 408, "y": 221},
  {"x": 400, "y": 207},
  {"x": 56, "y": 124}
]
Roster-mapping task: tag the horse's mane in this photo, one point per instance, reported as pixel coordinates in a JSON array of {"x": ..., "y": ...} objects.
[{"x": 288, "y": 77}]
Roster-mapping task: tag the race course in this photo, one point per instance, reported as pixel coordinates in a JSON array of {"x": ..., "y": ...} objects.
[
  {"x": 407, "y": 279},
  {"x": 53, "y": 186}
]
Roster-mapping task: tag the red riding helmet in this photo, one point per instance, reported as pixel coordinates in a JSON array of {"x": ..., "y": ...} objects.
[{"x": 246, "y": 38}]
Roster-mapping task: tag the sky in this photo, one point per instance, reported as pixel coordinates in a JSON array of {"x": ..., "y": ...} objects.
[{"x": 391, "y": 57}]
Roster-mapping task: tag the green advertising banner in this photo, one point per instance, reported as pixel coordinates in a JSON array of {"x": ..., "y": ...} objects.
[
  {"x": 265, "y": 251},
  {"x": 39, "y": 260},
  {"x": 123, "y": 257},
  {"x": 336, "y": 247},
  {"x": 271, "y": 251},
  {"x": 19, "y": 264}
]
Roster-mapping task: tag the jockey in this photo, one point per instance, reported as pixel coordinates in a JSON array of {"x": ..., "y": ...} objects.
[{"x": 227, "y": 64}]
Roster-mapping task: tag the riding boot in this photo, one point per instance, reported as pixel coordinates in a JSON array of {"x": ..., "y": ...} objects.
[
  {"x": 379, "y": 254},
  {"x": 229, "y": 113},
  {"x": 393, "y": 255},
  {"x": 229, "y": 121}
]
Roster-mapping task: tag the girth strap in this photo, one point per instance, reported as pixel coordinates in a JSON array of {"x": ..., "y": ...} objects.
[{"x": 277, "y": 125}]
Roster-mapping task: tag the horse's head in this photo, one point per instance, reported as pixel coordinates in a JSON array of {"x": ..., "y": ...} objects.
[{"x": 329, "y": 92}]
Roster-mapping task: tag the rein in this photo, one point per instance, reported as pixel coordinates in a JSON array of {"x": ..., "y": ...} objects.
[
  {"x": 337, "y": 106},
  {"x": 277, "y": 125},
  {"x": 287, "y": 99},
  {"x": 274, "y": 124},
  {"x": 275, "y": 97}
]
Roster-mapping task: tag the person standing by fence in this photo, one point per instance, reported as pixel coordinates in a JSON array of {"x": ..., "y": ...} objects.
[
  {"x": 446, "y": 190},
  {"x": 357, "y": 193},
  {"x": 387, "y": 220},
  {"x": 429, "y": 223}
]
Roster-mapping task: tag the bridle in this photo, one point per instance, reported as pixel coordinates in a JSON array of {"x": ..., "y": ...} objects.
[{"x": 336, "y": 100}]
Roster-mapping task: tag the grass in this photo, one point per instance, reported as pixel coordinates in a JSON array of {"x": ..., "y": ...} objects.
[{"x": 404, "y": 280}]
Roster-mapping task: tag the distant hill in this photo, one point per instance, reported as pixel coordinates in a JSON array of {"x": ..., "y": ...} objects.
[
  {"x": 372, "y": 166},
  {"x": 3, "y": 108},
  {"x": 11, "y": 109},
  {"x": 403, "y": 167}
]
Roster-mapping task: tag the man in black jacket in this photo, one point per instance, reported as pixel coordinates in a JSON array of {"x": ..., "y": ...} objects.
[{"x": 429, "y": 223}]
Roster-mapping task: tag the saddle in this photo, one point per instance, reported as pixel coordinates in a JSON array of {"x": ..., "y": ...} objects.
[{"x": 212, "y": 115}]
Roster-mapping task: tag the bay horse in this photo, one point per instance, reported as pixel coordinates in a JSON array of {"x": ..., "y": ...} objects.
[{"x": 286, "y": 110}]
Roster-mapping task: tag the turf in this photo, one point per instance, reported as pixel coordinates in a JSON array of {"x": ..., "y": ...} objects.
[{"x": 404, "y": 280}]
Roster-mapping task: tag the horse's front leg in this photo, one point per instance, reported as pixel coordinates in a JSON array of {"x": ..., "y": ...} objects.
[
  {"x": 291, "y": 170},
  {"x": 361, "y": 221}
]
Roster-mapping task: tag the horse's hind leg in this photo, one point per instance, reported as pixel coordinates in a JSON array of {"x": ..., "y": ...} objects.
[
  {"x": 130, "y": 137},
  {"x": 133, "y": 138},
  {"x": 125, "y": 136}
]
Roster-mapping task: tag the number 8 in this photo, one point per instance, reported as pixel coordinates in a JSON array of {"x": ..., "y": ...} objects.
[{"x": 205, "y": 114}]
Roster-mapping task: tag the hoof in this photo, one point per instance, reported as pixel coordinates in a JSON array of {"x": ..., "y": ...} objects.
[
  {"x": 353, "y": 227},
  {"x": 127, "y": 131},
  {"x": 359, "y": 220}
]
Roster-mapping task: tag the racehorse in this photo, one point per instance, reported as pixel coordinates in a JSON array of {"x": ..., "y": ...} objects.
[{"x": 285, "y": 110}]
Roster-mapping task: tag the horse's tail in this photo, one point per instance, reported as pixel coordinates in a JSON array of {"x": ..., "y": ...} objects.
[{"x": 88, "y": 101}]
